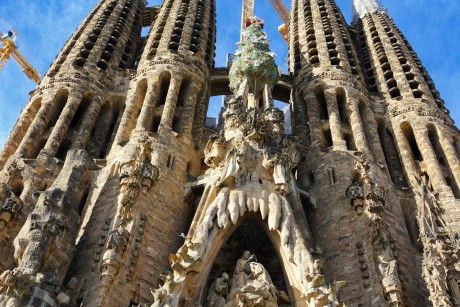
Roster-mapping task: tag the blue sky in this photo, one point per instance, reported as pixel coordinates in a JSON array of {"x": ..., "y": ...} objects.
[{"x": 44, "y": 26}]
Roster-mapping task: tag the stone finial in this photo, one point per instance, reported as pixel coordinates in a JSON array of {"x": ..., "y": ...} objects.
[{"x": 362, "y": 7}]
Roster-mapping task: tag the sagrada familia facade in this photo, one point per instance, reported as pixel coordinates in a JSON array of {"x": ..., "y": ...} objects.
[{"x": 114, "y": 192}]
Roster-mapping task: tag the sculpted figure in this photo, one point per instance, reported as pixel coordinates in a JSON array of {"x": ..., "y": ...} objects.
[
  {"x": 242, "y": 273},
  {"x": 10, "y": 209},
  {"x": 252, "y": 285},
  {"x": 214, "y": 151},
  {"x": 218, "y": 291}
]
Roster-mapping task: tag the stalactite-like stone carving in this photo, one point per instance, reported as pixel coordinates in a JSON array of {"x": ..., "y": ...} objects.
[{"x": 251, "y": 164}]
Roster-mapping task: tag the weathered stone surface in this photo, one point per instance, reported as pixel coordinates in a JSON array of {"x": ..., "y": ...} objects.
[{"x": 111, "y": 184}]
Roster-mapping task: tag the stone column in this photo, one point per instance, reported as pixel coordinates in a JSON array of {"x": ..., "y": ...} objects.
[
  {"x": 373, "y": 139},
  {"x": 189, "y": 110},
  {"x": 313, "y": 118},
  {"x": 334, "y": 121},
  {"x": 127, "y": 118},
  {"x": 359, "y": 135},
  {"x": 87, "y": 125},
  {"x": 17, "y": 134},
  {"x": 431, "y": 162},
  {"x": 145, "y": 118},
  {"x": 451, "y": 156},
  {"x": 37, "y": 128},
  {"x": 170, "y": 105},
  {"x": 60, "y": 129}
]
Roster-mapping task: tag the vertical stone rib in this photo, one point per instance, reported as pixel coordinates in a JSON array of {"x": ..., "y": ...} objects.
[
  {"x": 37, "y": 128},
  {"x": 170, "y": 105},
  {"x": 358, "y": 128},
  {"x": 19, "y": 130},
  {"x": 84, "y": 133},
  {"x": 451, "y": 156},
  {"x": 334, "y": 121},
  {"x": 189, "y": 110},
  {"x": 429, "y": 156},
  {"x": 60, "y": 129},
  {"x": 315, "y": 124},
  {"x": 145, "y": 118}
]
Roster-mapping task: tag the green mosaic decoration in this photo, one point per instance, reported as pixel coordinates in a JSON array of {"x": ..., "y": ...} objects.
[{"x": 254, "y": 61}]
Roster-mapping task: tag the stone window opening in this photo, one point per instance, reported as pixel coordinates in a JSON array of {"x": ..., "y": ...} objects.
[
  {"x": 322, "y": 104},
  {"x": 327, "y": 138},
  {"x": 63, "y": 149},
  {"x": 81, "y": 110},
  {"x": 156, "y": 124},
  {"x": 391, "y": 155},
  {"x": 171, "y": 162},
  {"x": 30, "y": 113},
  {"x": 183, "y": 92},
  {"x": 59, "y": 104},
  {"x": 409, "y": 209},
  {"x": 441, "y": 157},
  {"x": 249, "y": 236},
  {"x": 342, "y": 105},
  {"x": 349, "y": 141},
  {"x": 164, "y": 87},
  {"x": 411, "y": 142},
  {"x": 61, "y": 101},
  {"x": 81, "y": 204},
  {"x": 332, "y": 176},
  {"x": 456, "y": 144},
  {"x": 114, "y": 121}
]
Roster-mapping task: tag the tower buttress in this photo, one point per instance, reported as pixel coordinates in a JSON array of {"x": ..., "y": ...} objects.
[
  {"x": 331, "y": 101},
  {"x": 163, "y": 106},
  {"x": 63, "y": 111},
  {"x": 418, "y": 135}
]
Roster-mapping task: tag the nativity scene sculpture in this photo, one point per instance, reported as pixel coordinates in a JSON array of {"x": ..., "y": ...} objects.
[{"x": 250, "y": 173}]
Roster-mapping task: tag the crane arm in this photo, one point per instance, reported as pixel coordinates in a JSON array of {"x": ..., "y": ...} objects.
[
  {"x": 28, "y": 69},
  {"x": 8, "y": 48},
  {"x": 282, "y": 11}
]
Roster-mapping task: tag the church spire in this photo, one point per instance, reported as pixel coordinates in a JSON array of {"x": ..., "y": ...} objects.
[{"x": 363, "y": 7}]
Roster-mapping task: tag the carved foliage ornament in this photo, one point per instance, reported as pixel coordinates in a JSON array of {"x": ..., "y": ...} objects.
[{"x": 136, "y": 176}]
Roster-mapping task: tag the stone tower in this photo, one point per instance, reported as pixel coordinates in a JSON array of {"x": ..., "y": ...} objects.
[{"x": 114, "y": 192}]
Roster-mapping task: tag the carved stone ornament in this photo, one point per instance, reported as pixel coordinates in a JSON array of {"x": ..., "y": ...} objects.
[
  {"x": 441, "y": 256},
  {"x": 368, "y": 197},
  {"x": 251, "y": 163},
  {"x": 9, "y": 209},
  {"x": 136, "y": 176},
  {"x": 46, "y": 243},
  {"x": 356, "y": 194}
]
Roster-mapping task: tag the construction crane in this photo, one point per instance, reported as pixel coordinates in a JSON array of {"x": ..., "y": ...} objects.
[
  {"x": 248, "y": 13},
  {"x": 285, "y": 17},
  {"x": 8, "y": 49}
]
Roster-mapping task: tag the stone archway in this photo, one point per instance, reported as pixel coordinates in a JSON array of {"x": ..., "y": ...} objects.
[{"x": 267, "y": 248}]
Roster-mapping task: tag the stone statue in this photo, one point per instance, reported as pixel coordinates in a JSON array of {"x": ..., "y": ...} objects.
[
  {"x": 242, "y": 273},
  {"x": 252, "y": 285},
  {"x": 10, "y": 208},
  {"x": 218, "y": 291}
]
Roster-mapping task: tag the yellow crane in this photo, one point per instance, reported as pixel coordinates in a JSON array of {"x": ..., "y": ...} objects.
[
  {"x": 248, "y": 13},
  {"x": 8, "y": 49},
  {"x": 285, "y": 17}
]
